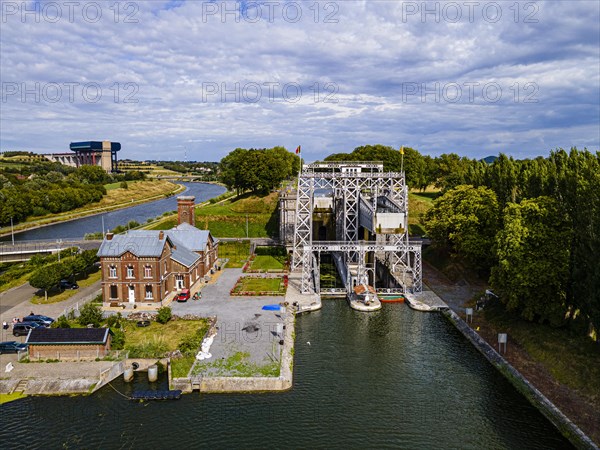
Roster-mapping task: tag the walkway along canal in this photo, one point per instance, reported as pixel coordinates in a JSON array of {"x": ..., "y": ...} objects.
[{"x": 392, "y": 378}]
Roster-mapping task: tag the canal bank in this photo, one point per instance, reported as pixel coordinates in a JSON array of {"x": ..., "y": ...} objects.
[
  {"x": 88, "y": 213},
  {"x": 77, "y": 228},
  {"x": 537, "y": 399}
]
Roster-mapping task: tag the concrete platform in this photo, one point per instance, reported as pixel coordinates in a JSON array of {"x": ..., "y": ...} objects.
[
  {"x": 359, "y": 305},
  {"x": 425, "y": 301},
  {"x": 305, "y": 303}
]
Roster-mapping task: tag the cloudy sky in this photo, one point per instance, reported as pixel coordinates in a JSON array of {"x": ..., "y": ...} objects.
[{"x": 165, "y": 78}]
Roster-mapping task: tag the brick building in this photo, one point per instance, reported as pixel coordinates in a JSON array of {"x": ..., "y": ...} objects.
[
  {"x": 68, "y": 344},
  {"x": 144, "y": 266}
]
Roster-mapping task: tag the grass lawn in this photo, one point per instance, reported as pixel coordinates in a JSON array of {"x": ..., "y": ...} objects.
[
  {"x": 237, "y": 252},
  {"x": 255, "y": 285},
  {"x": 180, "y": 367},
  {"x": 5, "y": 398},
  {"x": 165, "y": 224},
  {"x": 170, "y": 333},
  {"x": 15, "y": 282},
  {"x": 572, "y": 359},
  {"x": 418, "y": 204},
  {"x": 230, "y": 218},
  {"x": 237, "y": 365},
  {"x": 57, "y": 296},
  {"x": 268, "y": 262}
]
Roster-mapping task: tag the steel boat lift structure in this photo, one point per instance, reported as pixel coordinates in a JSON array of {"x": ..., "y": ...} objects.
[{"x": 370, "y": 207}]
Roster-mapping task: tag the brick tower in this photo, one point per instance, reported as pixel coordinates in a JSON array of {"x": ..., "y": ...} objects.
[{"x": 185, "y": 210}]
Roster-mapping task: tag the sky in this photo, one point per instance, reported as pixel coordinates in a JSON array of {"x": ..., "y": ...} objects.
[{"x": 171, "y": 80}]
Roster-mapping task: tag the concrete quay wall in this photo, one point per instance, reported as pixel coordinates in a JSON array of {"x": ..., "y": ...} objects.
[{"x": 571, "y": 431}]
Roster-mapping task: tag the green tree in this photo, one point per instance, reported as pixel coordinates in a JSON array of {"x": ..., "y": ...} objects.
[
  {"x": 90, "y": 314},
  {"x": 533, "y": 260},
  {"x": 47, "y": 277},
  {"x": 465, "y": 220}
]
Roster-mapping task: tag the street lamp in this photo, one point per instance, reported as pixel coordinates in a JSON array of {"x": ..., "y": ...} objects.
[{"x": 59, "y": 242}]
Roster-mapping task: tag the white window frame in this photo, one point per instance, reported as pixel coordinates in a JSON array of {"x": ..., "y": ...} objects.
[
  {"x": 148, "y": 271},
  {"x": 130, "y": 271},
  {"x": 149, "y": 294},
  {"x": 112, "y": 271}
]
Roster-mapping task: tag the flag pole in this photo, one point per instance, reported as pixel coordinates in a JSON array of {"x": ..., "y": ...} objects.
[{"x": 402, "y": 159}]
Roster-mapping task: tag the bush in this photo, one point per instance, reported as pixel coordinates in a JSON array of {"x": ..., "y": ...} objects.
[
  {"x": 114, "y": 321},
  {"x": 164, "y": 315},
  {"x": 118, "y": 339},
  {"x": 190, "y": 344},
  {"x": 90, "y": 314},
  {"x": 124, "y": 185},
  {"x": 61, "y": 322}
]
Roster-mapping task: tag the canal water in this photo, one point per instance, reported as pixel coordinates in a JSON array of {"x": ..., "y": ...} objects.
[
  {"x": 76, "y": 229},
  {"x": 391, "y": 379}
]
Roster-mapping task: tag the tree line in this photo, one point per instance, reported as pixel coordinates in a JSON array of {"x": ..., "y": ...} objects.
[
  {"x": 257, "y": 170},
  {"x": 533, "y": 226},
  {"x": 48, "y": 188}
]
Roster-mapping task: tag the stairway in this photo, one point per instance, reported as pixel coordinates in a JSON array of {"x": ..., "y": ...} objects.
[{"x": 21, "y": 386}]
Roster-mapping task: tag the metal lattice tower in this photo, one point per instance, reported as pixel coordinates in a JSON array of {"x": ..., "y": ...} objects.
[{"x": 362, "y": 196}]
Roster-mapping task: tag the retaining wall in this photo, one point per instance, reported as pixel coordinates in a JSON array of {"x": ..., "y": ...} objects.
[{"x": 535, "y": 397}]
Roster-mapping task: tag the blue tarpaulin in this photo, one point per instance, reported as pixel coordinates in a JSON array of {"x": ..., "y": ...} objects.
[{"x": 271, "y": 307}]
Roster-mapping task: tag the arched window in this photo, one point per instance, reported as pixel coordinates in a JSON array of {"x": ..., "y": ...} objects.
[
  {"x": 130, "y": 271},
  {"x": 112, "y": 271},
  {"x": 147, "y": 271},
  {"x": 149, "y": 295}
]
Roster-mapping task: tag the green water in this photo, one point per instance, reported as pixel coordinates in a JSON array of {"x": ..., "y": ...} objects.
[{"x": 391, "y": 379}]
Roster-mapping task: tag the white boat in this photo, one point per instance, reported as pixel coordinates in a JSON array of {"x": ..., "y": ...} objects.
[{"x": 364, "y": 298}]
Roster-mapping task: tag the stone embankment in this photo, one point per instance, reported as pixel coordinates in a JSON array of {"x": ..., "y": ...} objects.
[{"x": 535, "y": 397}]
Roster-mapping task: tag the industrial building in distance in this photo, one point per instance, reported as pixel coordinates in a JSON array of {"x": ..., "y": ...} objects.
[{"x": 94, "y": 153}]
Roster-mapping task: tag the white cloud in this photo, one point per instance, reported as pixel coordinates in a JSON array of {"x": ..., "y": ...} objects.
[{"x": 367, "y": 61}]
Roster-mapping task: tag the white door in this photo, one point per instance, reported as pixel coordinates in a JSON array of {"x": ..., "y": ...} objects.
[{"x": 131, "y": 294}]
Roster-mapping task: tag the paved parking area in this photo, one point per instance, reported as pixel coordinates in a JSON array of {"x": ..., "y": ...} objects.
[{"x": 243, "y": 326}]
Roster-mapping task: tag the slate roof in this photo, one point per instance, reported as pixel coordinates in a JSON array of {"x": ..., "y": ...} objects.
[
  {"x": 55, "y": 336},
  {"x": 184, "y": 256},
  {"x": 189, "y": 236},
  {"x": 185, "y": 238},
  {"x": 139, "y": 243}
]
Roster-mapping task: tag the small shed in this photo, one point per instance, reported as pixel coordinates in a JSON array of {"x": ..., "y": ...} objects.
[{"x": 68, "y": 344}]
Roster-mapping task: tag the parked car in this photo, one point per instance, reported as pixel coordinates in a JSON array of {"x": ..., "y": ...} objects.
[
  {"x": 66, "y": 284},
  {"x": 42, "y": 320},
  {"x": 22, "y": 328},
  {"x": 184, "y": 295},
  {"x": 12, "y": 347}
]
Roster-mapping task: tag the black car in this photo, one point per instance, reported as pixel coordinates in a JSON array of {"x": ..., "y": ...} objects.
[
  {"x": 42, "y": 320},
  {"x": 22, "y": 328},
  {"x": 66, "y": 284},
  {"x": 12, "y": 347}
]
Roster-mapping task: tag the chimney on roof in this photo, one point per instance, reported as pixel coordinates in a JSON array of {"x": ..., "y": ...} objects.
[
  {"x": 185, "y": 210},
  {"x": 161, "y": 235},
  {"x": 109, "y": 236}
]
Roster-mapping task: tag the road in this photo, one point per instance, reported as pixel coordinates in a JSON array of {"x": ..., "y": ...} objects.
[{"x": 15, "y": 303}]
